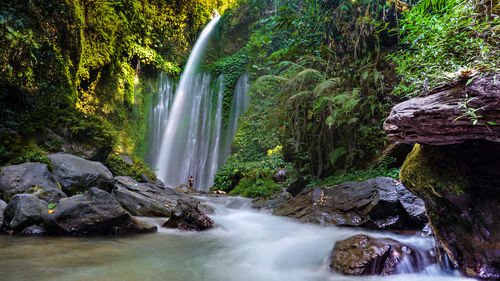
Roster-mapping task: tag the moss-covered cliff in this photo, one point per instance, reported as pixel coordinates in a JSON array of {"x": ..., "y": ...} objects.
[{"x": 94, "y": 56}]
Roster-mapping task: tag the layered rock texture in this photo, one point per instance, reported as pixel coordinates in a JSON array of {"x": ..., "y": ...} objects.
[
  {"x": 380, "y": 203},
  {"x": 455, "y": 168},
  {"x": 432, "y": 119}
]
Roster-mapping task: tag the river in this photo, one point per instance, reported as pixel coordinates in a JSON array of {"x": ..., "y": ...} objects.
[{"x": 247, "y": 245}]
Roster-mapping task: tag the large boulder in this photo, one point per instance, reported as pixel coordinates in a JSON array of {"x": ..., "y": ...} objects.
[
  {"x": 455, "y": 167},
  {"x": 145, "y": 199},
  {"x": 3, "y": 205},
  {"x": 77, "y": 175},
  {"x": 365, "y": 255},
  {"x": 189, "y": 216},
  {"x": 94, "y": 213},
  {"x": 273, "y": 202},
  {"x": 25, "y": 210},
  {"x": 380, "y": 203},
  {"x": 33, "y": 178},
  {"x": 432, "y": 119},
  {"x": 460, "y": 187}
]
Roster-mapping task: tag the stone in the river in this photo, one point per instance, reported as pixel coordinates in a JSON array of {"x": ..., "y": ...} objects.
[
  {"x": 33, "y": 230},
  {"x": 25, "y": 210},
  {"x": 145, "y": 199},
  {"x": 189, "y": 216},
  {"x": 183, "y": 188},
  {"x": 273, "y": 202},
  {"x": 380, "y": 203},
  {"x": 94, "y": 213},
  {"x": 365, "y": 255},
  {"x": 3, "y": 205},
  {"x": 77, "y": 175},
  {"x": 33, "y": 178}
]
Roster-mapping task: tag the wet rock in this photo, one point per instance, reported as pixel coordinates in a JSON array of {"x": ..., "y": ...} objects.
[
  {"x": 77, "y": 175},
  {"x": 297, "y": 187},
  {"x": 94, "y": 213},
  {"x": 189, "y": 216},
  {"x": 459, "y": 184},
  {"x": 380, "y": 203},
  {"x": 25, "y": 210},
  {"x": 183, "y": 188},
  {"x": 273, "y": 202},
  {"x": 432, "y": 119},
  {"x": 143, "y": 199},
  {"x": 365, "y": 255},
  {"x": 3, "y": 205},
  {"x": 34, "y": 230},
  {"x": 33, "y": 178}
]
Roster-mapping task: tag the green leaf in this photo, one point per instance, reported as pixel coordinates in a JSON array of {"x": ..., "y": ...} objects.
[{"x": 52, "y": 205}]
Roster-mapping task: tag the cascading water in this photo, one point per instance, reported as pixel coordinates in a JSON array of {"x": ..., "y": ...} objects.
[
  {"x": 195, "y": 142},
  {"x": 238, "y": 106},
  {"x": 158, "y": 115}
]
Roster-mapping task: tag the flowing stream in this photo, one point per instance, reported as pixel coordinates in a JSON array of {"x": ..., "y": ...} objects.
[{"x": 247, "y": 245}]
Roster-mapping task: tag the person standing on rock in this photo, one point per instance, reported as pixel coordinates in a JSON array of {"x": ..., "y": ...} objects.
[{"x": 191, "y": 181}]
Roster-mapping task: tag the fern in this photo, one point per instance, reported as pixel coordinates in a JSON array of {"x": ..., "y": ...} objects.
[{"x": 321, "y": 88}]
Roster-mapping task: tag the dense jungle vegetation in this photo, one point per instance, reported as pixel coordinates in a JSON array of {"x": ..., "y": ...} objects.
[
  {"x": 324, "y": 75},
  {"x": 76, "y": 65}
]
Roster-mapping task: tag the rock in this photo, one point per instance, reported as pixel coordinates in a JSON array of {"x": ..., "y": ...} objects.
[
  {"x": 143, "y": 199},
  {"x": 183, "y": 188},
  {"x": 33, "y": 178},
  {"x": 94, "y": 213},
  {"x": 101, "y": 154},
  {"x": 189, "y": 217},
  {"x": 33, "y": 230},
  {"x": 3, "y": 205},
  {"x": 460, "y": 187},
  {"x": 297, "y": 187},
  {"x": 433, "y": 120},
  {"x": 380, "y": 203},
  {"x": 273, "y": 202},
  {"x": 365, "y": 255},
  {"x": 25, "y": 210},
  {"x": 77, "y": 175}
]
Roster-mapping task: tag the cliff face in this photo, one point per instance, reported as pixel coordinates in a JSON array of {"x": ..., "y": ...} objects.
[{"x": 455, "y": 168}]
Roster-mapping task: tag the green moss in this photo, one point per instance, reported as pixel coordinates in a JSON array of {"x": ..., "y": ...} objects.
[
  {"x": 429, "y": 173},
  {"x": 32, "y": 153},
  {"x": 120, "y": 167}
]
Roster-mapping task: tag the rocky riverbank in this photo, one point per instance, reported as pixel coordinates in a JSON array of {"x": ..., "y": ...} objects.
[{"x": 82, "y": 198}]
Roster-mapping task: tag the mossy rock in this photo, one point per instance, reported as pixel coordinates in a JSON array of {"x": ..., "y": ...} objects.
[
  {"x": 427, "y": 172},
  {"x": 459, "y": 185}
]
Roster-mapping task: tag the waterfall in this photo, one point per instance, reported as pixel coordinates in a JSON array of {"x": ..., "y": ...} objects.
[
  {"x": 194, "y": 141},
  {"x": 238, "y": 106},
  {"x": 159, "y": 110}
]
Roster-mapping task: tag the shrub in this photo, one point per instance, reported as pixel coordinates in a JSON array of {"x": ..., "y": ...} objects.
[{"x": 120, "y": 167}]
